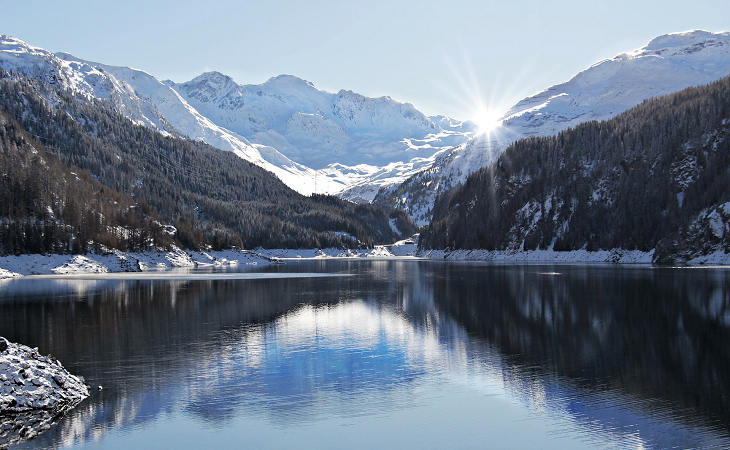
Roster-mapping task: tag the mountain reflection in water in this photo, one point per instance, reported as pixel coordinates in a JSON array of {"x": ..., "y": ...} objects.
[{"x": 400, "y": 354}]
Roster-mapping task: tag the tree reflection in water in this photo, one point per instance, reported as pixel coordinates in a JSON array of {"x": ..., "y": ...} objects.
[{"x": 637, "y": 352}]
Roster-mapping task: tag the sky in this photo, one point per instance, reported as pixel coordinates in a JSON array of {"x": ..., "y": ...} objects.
[{"x": 454, "y": 58}]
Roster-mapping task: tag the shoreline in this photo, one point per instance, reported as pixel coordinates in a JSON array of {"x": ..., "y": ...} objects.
[
  {"x": 119, "y": 262},
  {"x": 615, "y": 256}
]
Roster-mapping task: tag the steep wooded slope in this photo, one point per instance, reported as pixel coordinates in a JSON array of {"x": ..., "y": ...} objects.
[
  {"x": 190, "y": 184},
  {"x": 48, "y": 207},
  {"x": 667, "y": 64},
  {"x": 655, "y": 177}
]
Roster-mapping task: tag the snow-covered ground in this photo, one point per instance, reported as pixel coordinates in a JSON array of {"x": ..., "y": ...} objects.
[
  {"x": 16, "y": 266},
  {"x": 34, "y": 391},
  {"x": 377, "y": 252},
  {"x": 30, "y": 381},
  {"x": 406, "y": 247},
  {"x": 719, "y": 258},
  {"x": 551, "y": 256}
]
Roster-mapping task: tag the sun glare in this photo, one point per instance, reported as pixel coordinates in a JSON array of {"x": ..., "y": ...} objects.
[{"x": 487, "y": 120}]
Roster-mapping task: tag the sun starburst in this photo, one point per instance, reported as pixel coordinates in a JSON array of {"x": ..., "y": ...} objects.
[{"x": 487, "y": 119}]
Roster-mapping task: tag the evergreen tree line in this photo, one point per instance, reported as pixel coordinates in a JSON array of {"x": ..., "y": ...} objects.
[
  {"x": 637, "y": 181},
  {"x": 48, "y": 207},
  {"x": 214, "y": 198}
]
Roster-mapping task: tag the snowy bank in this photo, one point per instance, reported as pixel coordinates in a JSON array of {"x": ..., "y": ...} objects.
[
  {"x": 116, "y": 261},
  {"x": 8, "y": 274},
  {"x": 35, "y": 391},
  {"x": 547, "y": 256},
  {"x": 317, "y": 253},
  {"x": 718, "y": 258},
  {"x": 15, "y": 266}
]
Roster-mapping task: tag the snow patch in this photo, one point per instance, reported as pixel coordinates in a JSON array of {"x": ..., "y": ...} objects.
[
  {"x": 8, "y": 274},
  {"x": 575, "y": 256},
  {"x": 116, "y": 261},
  {"x": 80, "y": 264}
]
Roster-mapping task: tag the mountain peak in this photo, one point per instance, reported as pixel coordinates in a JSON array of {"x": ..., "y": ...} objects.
[
  {"x": 6, "y": 40},
  {"x": 10, "y": 44},
  {"x": 686, "y": 39},
  {"x": 285, "y": 81},
  {"x": 209, "y": 86},
  {"x": 214, "y": 78}
]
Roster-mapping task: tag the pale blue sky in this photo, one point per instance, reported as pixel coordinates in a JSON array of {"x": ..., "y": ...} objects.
[{"x": 445, "y": 57}]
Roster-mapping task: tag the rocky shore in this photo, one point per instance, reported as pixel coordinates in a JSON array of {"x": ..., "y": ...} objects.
[{"x": 35, "y": 390}]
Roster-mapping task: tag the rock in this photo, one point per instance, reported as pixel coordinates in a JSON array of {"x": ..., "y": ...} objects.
[
  {"x": 35, "y": 381},
  {"x": 3, "y": 344},
  {"x": 58, "y": 380}
]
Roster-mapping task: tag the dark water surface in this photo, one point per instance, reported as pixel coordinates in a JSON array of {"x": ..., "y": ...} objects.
[{"x": 388, "y": 354}]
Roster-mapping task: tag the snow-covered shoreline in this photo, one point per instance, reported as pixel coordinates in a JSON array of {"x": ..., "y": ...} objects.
[
  {"x": 115, "y": 262},
  {"x": 543, "y": 256},
  {"x": 620, "y": 256}
]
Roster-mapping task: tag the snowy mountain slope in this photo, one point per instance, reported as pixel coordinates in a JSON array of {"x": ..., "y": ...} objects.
[
  {"x": 143, "y": 99},
  {"x": 317, "y": 128},
  {"x": 667, "y": 64},
  {"x": 286, "y": 125},
  {"x": 81, "y": 77},
  {"x": 654, "y": 177}
]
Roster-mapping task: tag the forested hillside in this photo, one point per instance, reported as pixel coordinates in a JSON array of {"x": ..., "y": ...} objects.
[
  {"x": 48, "y": 208},
  {"x": 212, "y": 197},
  {"x": 655, "y": 177}
]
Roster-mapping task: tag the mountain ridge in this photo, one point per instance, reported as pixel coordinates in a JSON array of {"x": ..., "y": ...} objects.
[
  {"x": 363, "y": 148},
  {"x": 211, "y": 197},
  {"x": 344, "y": 127},
  {"x": 653, "y": 178},
  {"x": 669, "y": 63},
  {"x": 309, "y": 125}
]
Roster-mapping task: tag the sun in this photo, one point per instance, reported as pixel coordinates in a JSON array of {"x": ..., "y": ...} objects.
[{"x": 487, "y": 119}]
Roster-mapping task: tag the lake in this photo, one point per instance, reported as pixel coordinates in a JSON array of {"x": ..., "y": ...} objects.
[{"x": 386, "y": 354}]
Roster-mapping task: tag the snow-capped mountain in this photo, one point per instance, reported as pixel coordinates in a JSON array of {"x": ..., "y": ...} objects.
[
  {"x": 356, "y": 144},
  {"x": 143, "y": 99},
  {"x": 317, "y": 128},
  {"x": 667, "y": 64},
  {"x": 312, "y": 140}
]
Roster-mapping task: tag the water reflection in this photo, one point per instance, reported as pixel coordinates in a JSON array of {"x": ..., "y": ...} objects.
[
  {"x": 654, "y": 334},
  {"x": 603, "y": 357}
]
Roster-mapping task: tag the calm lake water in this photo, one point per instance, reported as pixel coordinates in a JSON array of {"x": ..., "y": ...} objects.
[{"x": 387, "y": 354}]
